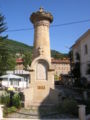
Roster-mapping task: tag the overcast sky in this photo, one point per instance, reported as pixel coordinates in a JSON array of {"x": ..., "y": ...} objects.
[{"x": 17, "y": 13}]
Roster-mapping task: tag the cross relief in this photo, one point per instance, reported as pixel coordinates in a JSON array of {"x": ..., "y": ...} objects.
[{"x": 40, "y": 49}]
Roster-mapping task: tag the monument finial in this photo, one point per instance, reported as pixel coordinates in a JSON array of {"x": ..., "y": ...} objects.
[{"x": 41, "y": 9}]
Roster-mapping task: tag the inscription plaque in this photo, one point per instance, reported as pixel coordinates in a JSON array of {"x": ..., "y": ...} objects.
[
  {"x": 41, "y": 87},
  {"x": 41, "y": 70}
]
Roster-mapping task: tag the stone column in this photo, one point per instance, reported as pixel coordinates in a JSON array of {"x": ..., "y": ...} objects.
[
  {"x": 82, "y": 113},
  {"x": 41, "y": 38},
  {"x": 1, "y": 112},
  {"x": 41, "y": 21}
]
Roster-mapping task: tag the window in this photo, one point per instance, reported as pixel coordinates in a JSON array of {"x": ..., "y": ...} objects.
[{"x": 86, "y": 49}]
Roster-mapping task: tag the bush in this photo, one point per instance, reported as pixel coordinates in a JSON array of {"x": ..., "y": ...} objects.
[
  {"x": 16, "y": 100},
  {"x": 88, "y": 106},
  {"x": 5, "y": 99},
  {"x": 9, "y": 110},
  {"x": 69, "y": 106}
]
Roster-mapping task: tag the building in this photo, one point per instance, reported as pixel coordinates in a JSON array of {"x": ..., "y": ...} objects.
[
  {"x": 61, "y": 66},
  {"x": 19, "y": 71},
  {"x": 82, "y": 48},
  {"x": 13, "y": 80},
  {"x": 19, "y": 65}
]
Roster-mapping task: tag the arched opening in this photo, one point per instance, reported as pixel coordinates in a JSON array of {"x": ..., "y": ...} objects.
[{"x": 41, "y": 70}]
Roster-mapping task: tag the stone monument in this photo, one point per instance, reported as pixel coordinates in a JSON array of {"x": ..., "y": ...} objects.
[{"x": 41, "y": 89}]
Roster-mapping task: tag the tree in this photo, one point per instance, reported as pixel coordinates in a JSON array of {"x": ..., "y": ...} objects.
[
  {"x": 27, "y": 59},
  {"x": 71, "y": 61},
  {"x": 76, "y": 70},
  {"x": 2, "y": 24},
  {"x": 75, "y": 67},
  {"x": 7, "y": 62},
  {"x": 88, "y": 69}
]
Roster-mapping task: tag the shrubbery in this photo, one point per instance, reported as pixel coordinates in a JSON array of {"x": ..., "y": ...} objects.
[
  {"x": 87, "y": 106},
  {"x": 5, "y": 99},
  {"x": 68, "y": 106},
  {"x": 9, "y": 110},
  {"x": 11, "y": 105},
  {"x": 16, "y": 100}
]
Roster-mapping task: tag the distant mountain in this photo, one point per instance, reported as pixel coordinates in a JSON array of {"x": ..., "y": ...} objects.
[{"x": 18, "y": 47}]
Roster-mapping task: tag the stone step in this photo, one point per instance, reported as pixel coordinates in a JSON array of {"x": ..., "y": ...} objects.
[{"x": 40, "y": 110}]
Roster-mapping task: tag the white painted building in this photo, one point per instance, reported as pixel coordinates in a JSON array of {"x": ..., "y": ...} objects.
[
  {"x": 82, "y": 46},
  {"x": 13, "y": 80},
  {"x": 22, "y": 79}
]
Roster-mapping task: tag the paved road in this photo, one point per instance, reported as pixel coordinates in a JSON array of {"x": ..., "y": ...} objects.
[{"x": 69, "y": 92}]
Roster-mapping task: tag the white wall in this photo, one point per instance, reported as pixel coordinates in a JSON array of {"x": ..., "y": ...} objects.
[
  {"x": 84, "y": 58},
  {"x": 22, "y": 84}
]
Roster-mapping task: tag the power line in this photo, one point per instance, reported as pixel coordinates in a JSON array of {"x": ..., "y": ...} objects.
[
  {"x": 16, "y": 30},
  {"x": 57, "y": 25},
  {"x": 70, "y": 23}
]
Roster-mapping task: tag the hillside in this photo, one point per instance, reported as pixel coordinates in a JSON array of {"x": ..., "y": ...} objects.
[{"x": 18, "y": 47}]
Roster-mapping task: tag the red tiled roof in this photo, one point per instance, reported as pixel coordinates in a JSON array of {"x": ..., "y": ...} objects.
[
  {"x": 19, "y": 60},
  {"x": 58, "y": 61}
]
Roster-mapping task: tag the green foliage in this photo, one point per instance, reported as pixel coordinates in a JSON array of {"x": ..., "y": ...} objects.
[
  {"x": 69, "y": 106},
  {"x": 76, "y": 67},
  {"x": 58, "y": 55},
  {"x": 16, "y": 100},
  {"x": 88, "y": 69},
  {"x": 77, "y": 56},
  {"x": 77, "y": 74},
  {"x": 27, "y": 58},
  {"x": 3, "y": 50},
  {"x": 18, "y": 47},
  {"x": 11, "y": 62},
  {"x": 9, "y": 110},
  {"x": 7, "y": 62},
  {"x": 56, "y": 77},
  {"x": 71, "y": 56},
  {"x": 2, "y": 24},
  {"x": 5, "y": 99},
  {"x": 76, "y": 70},
  {"x": 88, "y": 106}
]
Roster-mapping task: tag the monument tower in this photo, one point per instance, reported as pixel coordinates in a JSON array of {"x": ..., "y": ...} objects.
[{"x": 41, "y": 73}]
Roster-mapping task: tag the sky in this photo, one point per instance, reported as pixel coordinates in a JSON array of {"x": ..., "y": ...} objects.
[{"x": 17, "y": 14}]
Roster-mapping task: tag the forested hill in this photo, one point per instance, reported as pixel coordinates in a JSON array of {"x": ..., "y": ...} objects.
[{"x": 18, "y": 47}]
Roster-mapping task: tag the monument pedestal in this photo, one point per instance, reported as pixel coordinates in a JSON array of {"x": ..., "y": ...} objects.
[{"x": 41, "y": 92}]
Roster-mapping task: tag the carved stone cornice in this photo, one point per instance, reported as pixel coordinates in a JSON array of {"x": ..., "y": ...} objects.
[
  {"x": 42, "y": 23},
  {"x": 41, "y": 15}
]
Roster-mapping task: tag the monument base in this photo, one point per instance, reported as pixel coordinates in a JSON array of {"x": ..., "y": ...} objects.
[{"x": 38, "y": 98}]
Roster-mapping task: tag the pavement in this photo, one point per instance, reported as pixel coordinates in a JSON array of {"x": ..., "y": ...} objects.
[{"x": 35, "y": 119}]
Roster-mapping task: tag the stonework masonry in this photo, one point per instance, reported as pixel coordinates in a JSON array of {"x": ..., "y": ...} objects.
[{"x": 41, "y": 90}]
